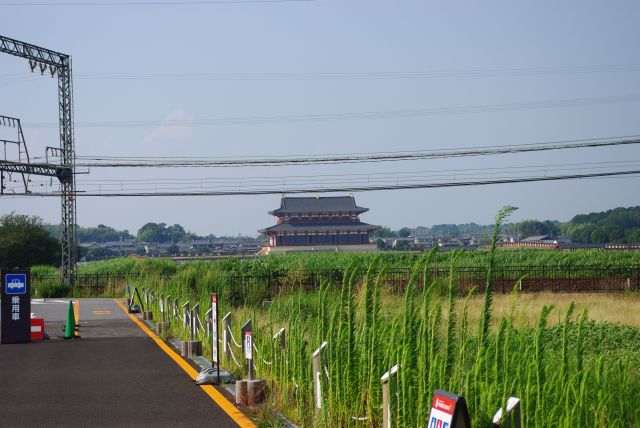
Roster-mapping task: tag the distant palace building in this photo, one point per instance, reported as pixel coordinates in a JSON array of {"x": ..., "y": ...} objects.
[{"x": 318, "y": 224}]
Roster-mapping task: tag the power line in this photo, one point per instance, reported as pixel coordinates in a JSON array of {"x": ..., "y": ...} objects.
[
  {"x": 350, "y": 188},
  {"x": 9, "y": 79},
  {"x": 368, "y": 115},
  {"x": 361, "y": 158},
  {"x": 426, "y": 74},
  {"x": 363, "y": 175},
  {"x": 291, "y": 182},
  {"x": 152, "y": 3},
  {"x": 386, "y": 152}
]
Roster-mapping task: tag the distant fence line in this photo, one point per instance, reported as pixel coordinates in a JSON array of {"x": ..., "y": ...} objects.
[{"x": 534, "y": 278}]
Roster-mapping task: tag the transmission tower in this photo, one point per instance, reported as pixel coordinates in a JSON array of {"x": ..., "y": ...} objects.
[{"x": 60, "y": 64}]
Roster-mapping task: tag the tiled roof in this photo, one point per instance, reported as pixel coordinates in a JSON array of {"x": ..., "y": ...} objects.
[{"x": 318, "y": 205}]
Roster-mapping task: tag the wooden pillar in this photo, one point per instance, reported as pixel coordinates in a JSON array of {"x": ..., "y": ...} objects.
[
  {"x": 387, "y": 397},
  {"x": 226, "y": 328},
  {"x": 317, "y": 368},
  {"x": 247, "y": 345},
  {"x": 280, "y": 338}
]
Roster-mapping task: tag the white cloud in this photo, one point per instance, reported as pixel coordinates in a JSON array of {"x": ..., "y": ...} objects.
[{"x": 166, "y": 130}]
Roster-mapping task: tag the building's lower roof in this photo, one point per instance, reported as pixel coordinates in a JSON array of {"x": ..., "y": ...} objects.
[{"x": 307, "y": 227}]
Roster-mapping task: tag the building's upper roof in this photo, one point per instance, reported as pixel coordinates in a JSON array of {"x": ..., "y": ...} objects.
[
  {"x": 324, "y": 227},
  {"x": 331, "y": 204}
]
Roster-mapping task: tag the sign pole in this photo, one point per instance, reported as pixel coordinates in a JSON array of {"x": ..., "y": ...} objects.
[{"x": 215, "y": 350}]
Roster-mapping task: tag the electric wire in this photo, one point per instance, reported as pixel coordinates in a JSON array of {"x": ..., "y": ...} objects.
[
  {"x": 271, "y": 191},
  {"x": 355, "y": 177},
  {"x": 365, "y": 158},
  {"x": 151, "y": 3},
  {"x": 348, "y": 116},
  {"x": 355, "y": 75}
]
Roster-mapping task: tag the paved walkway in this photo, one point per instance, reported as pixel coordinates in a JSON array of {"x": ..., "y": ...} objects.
[{"x": 115, "y": 375}]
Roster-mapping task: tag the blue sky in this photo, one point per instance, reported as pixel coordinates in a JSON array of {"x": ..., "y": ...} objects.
[{"x": 327, "y": 36}]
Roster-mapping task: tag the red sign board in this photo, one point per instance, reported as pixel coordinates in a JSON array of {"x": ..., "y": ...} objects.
[
  {"x": 448, "y": 411},
  {"x": 444, "y": 404}
]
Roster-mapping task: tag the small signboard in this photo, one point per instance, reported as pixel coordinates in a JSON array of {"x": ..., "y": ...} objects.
[
  {"x": 16, "y": 308},
  {"x": 448, "y": 411},
  {"x": 248, "y": 346},
  {"x": 15, "y": 283}
]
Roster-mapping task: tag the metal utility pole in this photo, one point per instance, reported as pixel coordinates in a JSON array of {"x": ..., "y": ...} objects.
[{"x": 58, "y": 63}]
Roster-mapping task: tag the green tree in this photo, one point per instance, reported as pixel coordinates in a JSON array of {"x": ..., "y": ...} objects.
[
  {"x": 444, "y": 230},
  {"x": 160, "y": 232},
  {"x": 173, "y": 249},
  {"x": 380, "y": 244},
  {"x": 402, "y": 245},
  {"x": 599, "y": 236},
  {"x": 383, "y": 232},
  {"x": 633, "y": 236},
  {"x": 529, "y": 228},
  {"x": 24, "y": 242},
  {"x": 404, "y": 232},
  {"x": 99, "y": 253}
]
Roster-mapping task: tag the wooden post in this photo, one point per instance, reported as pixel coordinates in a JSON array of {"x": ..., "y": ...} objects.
[
  {"x": 386, "y": 396},
  {"x": 193, "y": 318},
  {"x": 509, "y": 416},
  {"x": 316, "y": 362},
  {"x": 185, "y": 315},
  {"x": 280, "y": 338},
  {"x": 226, "y": 328},
  {"x": 215, "y": 349},
  {"x": 241, "y": 392},
  {"x": 160, "y": 326},
  {"x": 247, "y": 345}
]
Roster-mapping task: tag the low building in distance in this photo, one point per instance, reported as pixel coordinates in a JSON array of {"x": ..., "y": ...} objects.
[{"x": 318, "y": 224}]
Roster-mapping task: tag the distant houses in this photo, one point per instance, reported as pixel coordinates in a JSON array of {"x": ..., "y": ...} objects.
[{"x": 221, "y": 246}]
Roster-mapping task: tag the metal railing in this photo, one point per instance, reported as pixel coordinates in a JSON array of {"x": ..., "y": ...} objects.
[{"x": 534, "y": 278}]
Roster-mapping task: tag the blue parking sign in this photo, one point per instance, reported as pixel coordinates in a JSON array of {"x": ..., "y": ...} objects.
[{"x": 15, "y": 283}]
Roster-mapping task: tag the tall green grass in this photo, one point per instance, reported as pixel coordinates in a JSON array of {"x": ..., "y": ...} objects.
[{"x": 577, "y": 373}]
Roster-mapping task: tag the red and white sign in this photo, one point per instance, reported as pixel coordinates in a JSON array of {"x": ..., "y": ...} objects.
[
  {"x": 248, "y": 346},
  {"x": 37, "y": 328},
  {"x": 442, "y": 410}
]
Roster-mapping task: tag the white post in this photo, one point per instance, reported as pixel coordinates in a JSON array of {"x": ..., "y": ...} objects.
[
  {"x": 316, "y": 362},
  {"x": 386, "y": 396}
]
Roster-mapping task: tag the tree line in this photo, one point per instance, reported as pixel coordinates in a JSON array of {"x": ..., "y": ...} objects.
[
  {"x": 27, "y": 240},
  {"x": 616, "y": 226}
]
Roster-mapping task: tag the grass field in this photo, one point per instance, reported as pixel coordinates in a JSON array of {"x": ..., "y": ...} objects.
[
  {"x": 573, "y": 359},
  {"x": 616, "y": 308}
]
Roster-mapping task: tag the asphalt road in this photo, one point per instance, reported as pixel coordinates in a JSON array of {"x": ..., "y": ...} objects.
[{"x": 114, "y": 375}]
